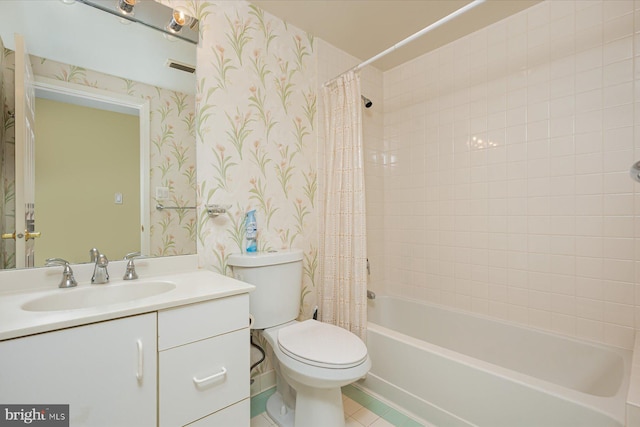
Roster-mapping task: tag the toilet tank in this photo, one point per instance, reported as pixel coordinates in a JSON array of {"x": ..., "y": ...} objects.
[{"x": 277, "y": 277}]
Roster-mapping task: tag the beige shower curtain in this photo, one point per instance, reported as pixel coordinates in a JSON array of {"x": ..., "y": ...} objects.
[{"x": 343, "y": 245}]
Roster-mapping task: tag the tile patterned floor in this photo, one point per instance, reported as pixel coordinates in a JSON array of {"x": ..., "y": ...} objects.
[{"x": 360, "y": 410}]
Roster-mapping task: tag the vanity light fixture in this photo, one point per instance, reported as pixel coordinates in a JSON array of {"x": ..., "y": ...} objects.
[
  {"x": 125, "y": 6},
  {"x": 173, "y": 22}
]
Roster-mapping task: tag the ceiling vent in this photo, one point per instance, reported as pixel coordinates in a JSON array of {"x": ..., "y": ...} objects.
[{"x": 181, "y": 66}]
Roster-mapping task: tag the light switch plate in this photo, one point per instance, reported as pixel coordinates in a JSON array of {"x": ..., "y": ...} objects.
[{"x": 162, "y": 193}]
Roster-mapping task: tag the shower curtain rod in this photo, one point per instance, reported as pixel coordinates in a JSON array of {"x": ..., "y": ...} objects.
[{"x": 414, "y": 36}]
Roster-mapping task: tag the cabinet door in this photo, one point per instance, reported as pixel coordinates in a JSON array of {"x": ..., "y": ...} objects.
[{"x": 105, "y": 371}]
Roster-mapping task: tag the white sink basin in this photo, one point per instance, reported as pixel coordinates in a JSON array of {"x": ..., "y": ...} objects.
[{"x": 97, "y": 295}]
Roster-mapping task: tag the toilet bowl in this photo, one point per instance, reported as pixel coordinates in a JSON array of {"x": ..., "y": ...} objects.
[
  {"x": 312, "y": 360},
  {"x": 316, "y": 359}
]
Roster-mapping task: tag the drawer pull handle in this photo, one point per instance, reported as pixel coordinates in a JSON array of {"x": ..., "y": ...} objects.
[
  {"x": 212, "y": 378},
  {"x": 140, "y": 372}
]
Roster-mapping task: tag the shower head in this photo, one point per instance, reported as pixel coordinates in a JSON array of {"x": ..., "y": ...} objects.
[{"x": 367, "y": 102}]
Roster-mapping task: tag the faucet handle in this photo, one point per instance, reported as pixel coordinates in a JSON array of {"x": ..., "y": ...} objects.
[
  {"x": 130, "y": 273},
  {"x": 68, "y": 281},
  {"x": 133, "y": 255}
]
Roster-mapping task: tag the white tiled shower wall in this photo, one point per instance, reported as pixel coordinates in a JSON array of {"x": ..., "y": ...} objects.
[{"x": 505, "y": 171}]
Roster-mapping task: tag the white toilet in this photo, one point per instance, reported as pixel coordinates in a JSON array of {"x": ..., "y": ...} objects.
[{"x": 314, "y": 359}]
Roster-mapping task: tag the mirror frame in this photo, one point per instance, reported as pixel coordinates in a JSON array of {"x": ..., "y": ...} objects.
[{"x": 90, "y": 96}]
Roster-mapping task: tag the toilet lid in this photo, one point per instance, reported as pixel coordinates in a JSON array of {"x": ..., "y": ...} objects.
[{"x": 320, "y": 344}]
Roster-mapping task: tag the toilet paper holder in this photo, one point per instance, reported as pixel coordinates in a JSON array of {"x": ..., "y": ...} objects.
[{"x": 215, "y": 210}]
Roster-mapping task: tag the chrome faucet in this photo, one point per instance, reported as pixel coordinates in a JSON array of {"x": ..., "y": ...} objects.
[
  {"x": 100, "y": 273},
  {"x": 68, "y": 281}
]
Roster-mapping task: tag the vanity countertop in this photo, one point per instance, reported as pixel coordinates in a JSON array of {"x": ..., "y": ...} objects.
[{"x": 192, "y": 286}]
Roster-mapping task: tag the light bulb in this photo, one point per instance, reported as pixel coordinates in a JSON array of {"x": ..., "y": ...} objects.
[
  {"x": 178, "y": 20},
  {"x": 126, "y": 6}
]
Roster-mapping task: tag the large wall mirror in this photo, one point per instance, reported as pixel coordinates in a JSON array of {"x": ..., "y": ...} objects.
[{"x": 88, "y": 63}]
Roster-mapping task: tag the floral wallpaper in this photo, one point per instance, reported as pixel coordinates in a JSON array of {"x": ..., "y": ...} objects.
[
  {"x": 256, "y": 135},
  {"x": 172, "y": 151}
]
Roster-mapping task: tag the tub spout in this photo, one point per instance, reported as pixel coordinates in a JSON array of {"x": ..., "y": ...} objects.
[{"x": 371, "y": 295}]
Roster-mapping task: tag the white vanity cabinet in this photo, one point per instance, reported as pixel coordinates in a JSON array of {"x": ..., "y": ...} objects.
[
  {"x": 203, "y": 364},
  {"x": 106, "y": 372},
  {"x": 124, "y": 355}
]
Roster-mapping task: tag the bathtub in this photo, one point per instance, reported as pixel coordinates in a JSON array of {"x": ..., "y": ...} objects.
[{"x": 453, "y": 368}]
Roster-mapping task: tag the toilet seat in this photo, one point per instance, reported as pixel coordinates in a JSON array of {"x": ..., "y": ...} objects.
[{"x": 323, "y": 345}]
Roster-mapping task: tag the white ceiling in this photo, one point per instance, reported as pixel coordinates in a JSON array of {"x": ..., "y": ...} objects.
[{"x": 364, "y": 28}]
